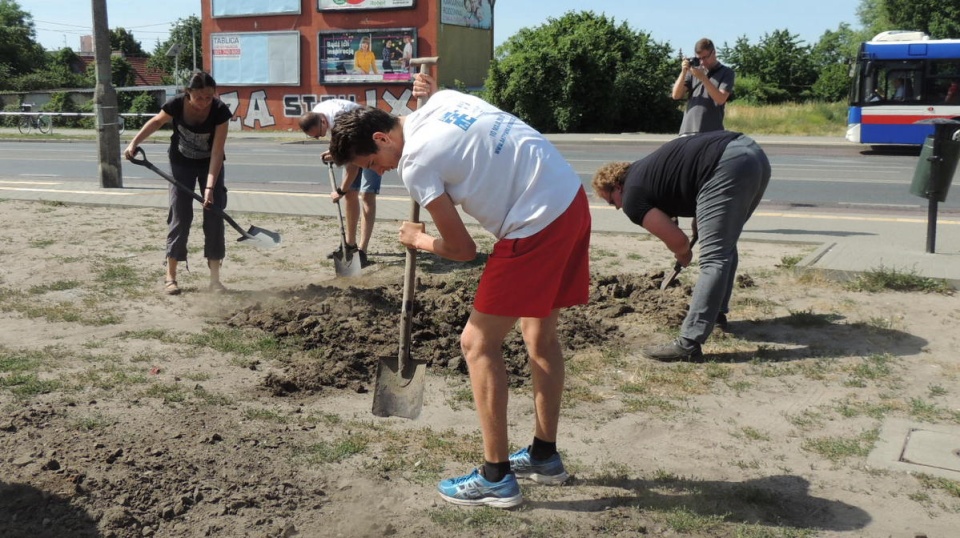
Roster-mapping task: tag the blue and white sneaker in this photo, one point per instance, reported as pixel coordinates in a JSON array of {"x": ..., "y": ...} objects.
[
  {"x": 549, "y": 472},
  {"x": 475, "y": 490}
]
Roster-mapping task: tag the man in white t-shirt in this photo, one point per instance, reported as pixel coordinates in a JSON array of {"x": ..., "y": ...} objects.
[
  {"x": 458, "y": 150},
  {"x": 356, "y": 184}
]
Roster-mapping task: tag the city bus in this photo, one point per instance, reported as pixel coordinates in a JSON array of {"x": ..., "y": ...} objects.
[{"x": 900, "y": 78}]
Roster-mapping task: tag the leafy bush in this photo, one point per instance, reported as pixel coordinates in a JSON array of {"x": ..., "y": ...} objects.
[
  {"x": 584, "y": 73},
  {"x": 10, "y": 121},
  {"x": 61, "y": 102},
  {"x": 143, "y": 103}
]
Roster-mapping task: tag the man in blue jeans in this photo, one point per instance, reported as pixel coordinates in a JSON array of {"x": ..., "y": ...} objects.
[{"x": 718, "y": 178}]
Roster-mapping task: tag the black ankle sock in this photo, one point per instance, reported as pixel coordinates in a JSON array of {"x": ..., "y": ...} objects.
[
  {"x": 541, "y": 450},
  {"x": 494, "y": 472}
]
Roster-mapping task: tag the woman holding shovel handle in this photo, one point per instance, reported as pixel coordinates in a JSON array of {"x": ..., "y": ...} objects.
[
  {"x": 196, "y": 153},
  {"x": 457, "y": 150}
]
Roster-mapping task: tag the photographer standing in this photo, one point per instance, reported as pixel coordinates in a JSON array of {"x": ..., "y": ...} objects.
[{"x": 709, "y": 84}]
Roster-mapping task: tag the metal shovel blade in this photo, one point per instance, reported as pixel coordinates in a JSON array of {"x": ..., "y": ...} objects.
[
  {"x": 676, "y": 268},
  {"x": 399, "y": 393},
  {"x": 347, "y": 266},
  {"x": 671, "y": 277},
  {"x": 260, "y": 237}
]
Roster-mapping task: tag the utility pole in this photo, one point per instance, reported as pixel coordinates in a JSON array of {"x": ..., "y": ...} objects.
[
  {"x": 193, "y": 40},
  {"x": 105, "y": 102}
]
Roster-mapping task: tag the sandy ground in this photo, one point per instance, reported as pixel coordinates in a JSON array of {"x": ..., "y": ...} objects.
[{"x": 126, "y": 412}]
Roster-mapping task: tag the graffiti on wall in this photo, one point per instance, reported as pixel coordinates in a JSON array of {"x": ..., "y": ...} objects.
[{"x": 264, "y": 109}]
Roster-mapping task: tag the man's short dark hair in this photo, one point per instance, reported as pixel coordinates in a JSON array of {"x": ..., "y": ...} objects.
[
  {"x": 703, "y": 45},
  {"x": 352, "y": 134},
  {"x": 309, "y": 120}
]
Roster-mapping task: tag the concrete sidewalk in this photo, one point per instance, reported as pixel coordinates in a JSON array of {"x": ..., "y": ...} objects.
[{"x": 846, "y": 244}]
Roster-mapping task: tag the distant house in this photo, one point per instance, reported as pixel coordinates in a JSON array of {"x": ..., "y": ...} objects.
[{"x": 143, "y": 75}]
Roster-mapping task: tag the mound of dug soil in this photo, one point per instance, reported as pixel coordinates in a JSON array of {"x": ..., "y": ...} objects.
[{"x": 347, "y": 330}]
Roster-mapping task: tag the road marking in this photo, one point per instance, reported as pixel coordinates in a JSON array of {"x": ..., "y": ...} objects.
[
  {"x": 775, "y": 214},
  {"x": 858, "y": 218},
  {"x": 3, "y": 182},
  {"x": 105, "y": 192}
]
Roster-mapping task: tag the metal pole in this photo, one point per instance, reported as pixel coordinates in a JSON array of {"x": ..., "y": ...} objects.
[
  {"x": 193, "y": 41},
  {"x": 105, "y": 102}
]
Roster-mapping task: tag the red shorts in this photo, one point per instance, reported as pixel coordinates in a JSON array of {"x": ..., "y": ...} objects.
[{"x": 529, "y": 277}]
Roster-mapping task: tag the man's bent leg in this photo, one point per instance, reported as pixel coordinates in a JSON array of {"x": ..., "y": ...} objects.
[
  {"x": 547, "y": 372},
  {"x": 482, "y": 342},
  {"x": 369, "y": 206},
  {"x": 352, "y": 215}
]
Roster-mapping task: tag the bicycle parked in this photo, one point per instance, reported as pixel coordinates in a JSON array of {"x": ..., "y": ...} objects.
[{"x": 30, "y": 121}]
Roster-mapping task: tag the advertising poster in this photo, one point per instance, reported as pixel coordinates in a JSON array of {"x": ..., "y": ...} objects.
[
  {"x": 240, "y": 8},
  {"x": 241, "y": 58},
  {"x": 470, "y": 13},
  {"x": 338, "y": 5},
  {"x": 364, "y": 56}
]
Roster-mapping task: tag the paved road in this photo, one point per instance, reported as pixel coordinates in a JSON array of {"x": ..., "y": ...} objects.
[
  {"x": 854, "y": 207},
  {"x": 825, "y": 176}
]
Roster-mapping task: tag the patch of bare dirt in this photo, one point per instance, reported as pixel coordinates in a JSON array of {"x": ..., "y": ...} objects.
[{"x": 128, "y": 413}]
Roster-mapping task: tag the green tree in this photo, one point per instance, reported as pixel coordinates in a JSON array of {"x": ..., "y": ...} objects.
[
  {"x": 874, "y": 18},
  {"x": 939, "y": 18},
  {"x": 585, "y": 73},
  {"x": 781, "y": 65},
  {"x": 123, "y": 41},
  {"x": 19, "y": 50},
  {"x": 121, "y": 72},
  {"x": 832, "y": 57},
  {"x": 187, "y": 33}
]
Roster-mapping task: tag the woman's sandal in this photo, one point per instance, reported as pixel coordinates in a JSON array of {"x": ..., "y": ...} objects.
[{"x": 170, "y": 287}]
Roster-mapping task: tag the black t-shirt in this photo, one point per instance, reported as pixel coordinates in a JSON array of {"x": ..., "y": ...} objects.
[
  {"x": 192, "y": 144},
  {"x": 670, "y": 178}
]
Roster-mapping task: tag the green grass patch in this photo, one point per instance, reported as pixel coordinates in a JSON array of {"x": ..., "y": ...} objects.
[
  {"x": 807, "y": 318},
  {"x": 789, "y": 262},
  {"x": 25, "y": 385},
  {"x": 884, "y": 278},
  {"x": 335, "y": 451},
  {"x": 950, "y": 487},
  {"x": 837, "y": 449},
  {"x": 803, "y": 119},
  {"x": 60, "y": 285}
]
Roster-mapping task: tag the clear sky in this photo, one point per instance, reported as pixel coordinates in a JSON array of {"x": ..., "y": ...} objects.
[{"x": 680, "y": 24}]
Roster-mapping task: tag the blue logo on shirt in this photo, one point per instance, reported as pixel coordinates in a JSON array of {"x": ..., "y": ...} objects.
[{"x": 459, "y": 119}]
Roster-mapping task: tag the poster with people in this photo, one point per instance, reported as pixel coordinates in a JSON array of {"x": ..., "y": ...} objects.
[
  {"x": 471, "y": 13},
  {"x": 342, "y": 5},
  {"x": 352, "y": 56}
]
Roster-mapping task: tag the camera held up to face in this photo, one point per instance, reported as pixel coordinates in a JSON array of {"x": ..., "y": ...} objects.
[{"x": 694, "y": 61}]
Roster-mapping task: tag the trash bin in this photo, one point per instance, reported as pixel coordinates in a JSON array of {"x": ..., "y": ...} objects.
[{"x": 932, "y": 182}]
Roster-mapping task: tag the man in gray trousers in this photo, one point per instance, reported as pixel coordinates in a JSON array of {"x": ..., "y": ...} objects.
[{"x": 718, "y": 178}]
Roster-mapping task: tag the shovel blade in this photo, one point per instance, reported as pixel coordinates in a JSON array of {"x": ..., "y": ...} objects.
[
  {"x": 347, "y": 266},
  {"x": 670, "y": 277},
  {"x": 399, "y": 391},
  {"x": 260, "y": 237}
]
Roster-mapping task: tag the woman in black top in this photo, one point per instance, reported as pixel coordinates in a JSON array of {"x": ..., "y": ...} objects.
[{"x": 200, "y": 122}]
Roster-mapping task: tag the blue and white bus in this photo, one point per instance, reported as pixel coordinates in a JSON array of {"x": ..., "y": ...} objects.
[{"x": 900, "y": 78}]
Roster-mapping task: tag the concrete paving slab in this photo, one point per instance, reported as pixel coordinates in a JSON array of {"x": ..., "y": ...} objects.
[{"x": 914, "y": 447}]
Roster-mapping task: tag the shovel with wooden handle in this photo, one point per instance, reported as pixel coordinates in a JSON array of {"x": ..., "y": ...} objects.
[
  {"x": 400, "y": 379},
  {"x": 346, "y": 263},
  {"x": 254, "y": 235}
]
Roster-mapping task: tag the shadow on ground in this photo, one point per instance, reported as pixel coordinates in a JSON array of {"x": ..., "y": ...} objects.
[{"x": 776, "y": 501}]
